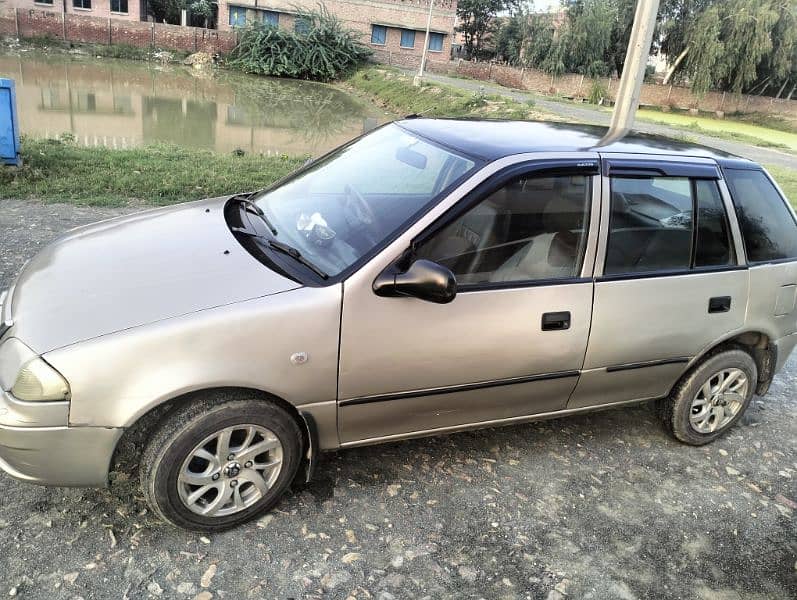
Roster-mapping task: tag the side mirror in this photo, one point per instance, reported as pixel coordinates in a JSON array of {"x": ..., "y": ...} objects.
[{"x": 425, "y": 280}]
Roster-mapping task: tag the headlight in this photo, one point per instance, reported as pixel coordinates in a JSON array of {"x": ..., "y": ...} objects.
[{"x": 39, "y": 382}]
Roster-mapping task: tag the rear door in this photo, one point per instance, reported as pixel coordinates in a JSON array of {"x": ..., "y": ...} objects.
[
  {"x": 769, "y": 230},
  {"x": 669, "y": 280}
]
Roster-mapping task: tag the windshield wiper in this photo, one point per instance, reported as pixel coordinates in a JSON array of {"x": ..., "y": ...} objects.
[
  {"x": 295, "y": 254},
  {"x": 252, "y": 208}
]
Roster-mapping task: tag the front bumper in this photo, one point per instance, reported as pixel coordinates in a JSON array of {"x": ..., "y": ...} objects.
[{"x": 37, "y": 446}]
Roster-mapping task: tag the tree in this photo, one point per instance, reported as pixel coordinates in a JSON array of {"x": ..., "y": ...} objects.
[
  {"x": 543, "y": 48},
  {"x": 734, "y": 45},
  {"x": 169, "y": 11},
  {"x": 779, "y": 68},
  {"x": 587, "y": 37},
  {"x": 731, "y": 44},
  {"x": 510, "y": 37},
  {"x": 476, "y": 19},
  {"x": 166, "y": 11}
]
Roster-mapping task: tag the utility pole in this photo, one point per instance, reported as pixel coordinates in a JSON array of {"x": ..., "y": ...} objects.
[
  {"x": 636, "y": 60},
  {"x": 419, "y": 77}
]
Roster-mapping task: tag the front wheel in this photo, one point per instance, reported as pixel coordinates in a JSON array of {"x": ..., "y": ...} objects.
[
  {"x": 215, "y": 464},
  {"x": 711, "y": 398}
]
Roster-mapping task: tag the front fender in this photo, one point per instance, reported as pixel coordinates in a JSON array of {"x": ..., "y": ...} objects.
[{"x": 115, "y": 379}]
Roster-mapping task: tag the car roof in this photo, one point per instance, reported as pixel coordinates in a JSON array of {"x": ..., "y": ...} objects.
[{"x": 494, "y": 139}]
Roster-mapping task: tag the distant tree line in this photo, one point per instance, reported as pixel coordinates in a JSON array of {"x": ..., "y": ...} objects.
[{"x": 747, "y": 46}]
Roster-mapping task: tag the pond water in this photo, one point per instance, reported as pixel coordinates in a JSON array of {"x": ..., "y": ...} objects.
[{"x": 122, "y": 104}]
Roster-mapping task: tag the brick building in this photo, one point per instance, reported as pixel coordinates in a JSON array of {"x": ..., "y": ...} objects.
[
  {"x": 134, "y": 10},
  {"x": 394, "y": 29}
]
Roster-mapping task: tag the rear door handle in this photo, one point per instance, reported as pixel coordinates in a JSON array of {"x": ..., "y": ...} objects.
[
  {"x": 556, "y": 321},
  {"x": 719, "y": 304}
]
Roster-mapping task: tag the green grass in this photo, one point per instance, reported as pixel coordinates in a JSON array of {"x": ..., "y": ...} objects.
[
  {"x": 787, "y": 180},
  {"x": 49, "y": 44},
  {"x": 59, "y": 171},
  {"x": 765, "y": 120},
  {"x": 394, "y": 91},
  {"x": 728, "y": 129}
]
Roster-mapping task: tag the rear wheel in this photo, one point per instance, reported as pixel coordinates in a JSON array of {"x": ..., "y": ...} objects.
[
  {"x": 711, "y": 398},
  {"x": 215, "y": 464}
]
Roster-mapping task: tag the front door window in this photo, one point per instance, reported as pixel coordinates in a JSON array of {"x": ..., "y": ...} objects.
[{"x": 531, "y": 229}]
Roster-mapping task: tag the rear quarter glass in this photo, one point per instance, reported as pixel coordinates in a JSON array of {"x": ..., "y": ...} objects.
[{"x": 768, "y": 226}]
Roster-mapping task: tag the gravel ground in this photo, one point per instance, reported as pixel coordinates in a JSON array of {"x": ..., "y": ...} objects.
[{"x": 598, "y": 506}]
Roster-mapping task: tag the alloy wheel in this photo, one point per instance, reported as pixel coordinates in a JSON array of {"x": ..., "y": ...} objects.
[
  {"x": 230, "y": 470},
  {"x": 719, "y": 400}
]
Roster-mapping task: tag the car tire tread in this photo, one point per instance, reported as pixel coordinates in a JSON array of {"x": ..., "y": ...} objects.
[
  {"x": 675, "y": 409},
  {"x": 188, "y": 424}
]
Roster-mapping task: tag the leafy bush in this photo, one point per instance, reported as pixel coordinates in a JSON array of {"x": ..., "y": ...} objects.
[
  {"x": 597, "y": 93},
  {"x": 324, "y": 52}
]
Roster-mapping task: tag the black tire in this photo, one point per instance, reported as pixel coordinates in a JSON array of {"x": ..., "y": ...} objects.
[
  {"x": 187, "y": 426},
  {"x": 676, "y": 409}
]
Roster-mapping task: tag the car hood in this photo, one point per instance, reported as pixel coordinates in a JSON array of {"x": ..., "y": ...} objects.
[{"x": 134, "y": 270}]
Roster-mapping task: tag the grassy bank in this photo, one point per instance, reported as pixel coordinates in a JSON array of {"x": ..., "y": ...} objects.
[
  {"x": 726, "y": 129},
  {"x": 394, "y": 91},
  {"x": 58, "y": 171},
  {"x": 51, "y": 45},
  {"x": 787, "y": 180}
]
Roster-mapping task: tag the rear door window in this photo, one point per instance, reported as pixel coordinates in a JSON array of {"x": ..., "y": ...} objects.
[
  {"x": 666, "y": 224},
  {"x": 767, "y": 224}
]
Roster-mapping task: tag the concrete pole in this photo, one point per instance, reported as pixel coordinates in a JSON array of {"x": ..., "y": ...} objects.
[
  {"x": 417, "y": 80},
  {"x": 636, "y": 60}
]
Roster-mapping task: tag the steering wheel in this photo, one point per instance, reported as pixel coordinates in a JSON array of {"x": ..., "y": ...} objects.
[{"x": 356, "y": 209}]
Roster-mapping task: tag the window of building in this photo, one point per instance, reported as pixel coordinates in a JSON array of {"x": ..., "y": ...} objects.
[
  {"x": 654, "y": 226},
  {"x": 119, "y": 6},
  {"x": 271, "y": 17},
  {"x": 50, "y": 2},
  {"x": 436, "y": 42},
  {"x": 533, "y": 228},
  {"x": 407, "y": 38},
  {"x": 86, "y": 101},
  {"x": 51, "y": 99},
  {"x": 767, "y": 224},
  {"x": 378, "y": 34},
  {"x": 123, "y": 105},
  {"x": 301, "y": 25},
  {"x": 85, "y": 4},
  {"x": 237, "y": 16}
]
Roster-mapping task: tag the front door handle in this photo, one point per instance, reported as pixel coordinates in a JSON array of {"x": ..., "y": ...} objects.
[
  {"x": 720, "y": 304},
  {"x": 556, "y": 321}
]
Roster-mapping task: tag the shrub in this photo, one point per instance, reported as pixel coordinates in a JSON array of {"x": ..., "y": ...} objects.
[
  {"x": 326, "y": 51},
  {"x": 597, "y": 92}
]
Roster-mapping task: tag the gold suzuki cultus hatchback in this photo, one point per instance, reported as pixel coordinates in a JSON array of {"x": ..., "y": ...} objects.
[{"x": 428, "y": 277}]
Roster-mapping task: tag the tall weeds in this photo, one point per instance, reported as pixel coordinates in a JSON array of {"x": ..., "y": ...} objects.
[{"x": 325, "y": 52}]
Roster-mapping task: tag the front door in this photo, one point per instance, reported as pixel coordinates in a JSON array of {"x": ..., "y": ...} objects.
[
  {"x": 672, "y": 284},
  {"x": 512, "y": 342}
]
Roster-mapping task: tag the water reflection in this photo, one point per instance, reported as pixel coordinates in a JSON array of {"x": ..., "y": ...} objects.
[{"x": 121, "y": 104}]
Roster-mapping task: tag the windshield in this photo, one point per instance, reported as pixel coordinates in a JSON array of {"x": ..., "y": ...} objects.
[{"x": 342, "y": 207}]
